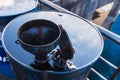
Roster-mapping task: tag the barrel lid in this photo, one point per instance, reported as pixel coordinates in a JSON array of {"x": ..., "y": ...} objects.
[
  {"x": 14, "y": 7},
  {"x": 85, "y": 38}
]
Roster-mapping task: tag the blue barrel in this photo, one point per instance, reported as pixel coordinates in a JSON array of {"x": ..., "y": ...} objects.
[
  {"x": 9, "y": 13},
  {"x": 5, "y": 68},
  {"x": 5, "y": 18}
]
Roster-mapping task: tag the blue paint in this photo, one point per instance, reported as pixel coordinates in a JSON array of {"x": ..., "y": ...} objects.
[
  {"x": 113, "y": 49},
  {"x": 5, "y": 68},
  {"x": 111, "y": 52}
]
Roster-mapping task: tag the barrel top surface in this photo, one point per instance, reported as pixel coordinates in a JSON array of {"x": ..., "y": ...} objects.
[
  {"x": 14, "y": 7},
  {"x": 85, "y": 38}
]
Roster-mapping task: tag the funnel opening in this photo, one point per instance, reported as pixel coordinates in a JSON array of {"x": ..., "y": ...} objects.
[{"x": 38, "y": 32}]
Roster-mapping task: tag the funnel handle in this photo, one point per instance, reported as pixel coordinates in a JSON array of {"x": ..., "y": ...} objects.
[
  {"x": 17, "y": 42},
  {"x": 65, "y": 45}
]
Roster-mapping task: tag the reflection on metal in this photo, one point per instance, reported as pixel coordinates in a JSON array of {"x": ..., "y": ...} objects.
[
  {"x": 54, "y": 6},
  {"x": 108, "y": 34},
  {"x": 6, "y": 3},
  {"x": 101, "y": 76},
  {"x": 112, "y": 36},
  {"x": 57, "y": 1},
  {"x": 107, "y": 62},
  {"x": 86, "y": 44},
  {"x": 15, "y": 7},
  {"x": 103, "y": 31}
]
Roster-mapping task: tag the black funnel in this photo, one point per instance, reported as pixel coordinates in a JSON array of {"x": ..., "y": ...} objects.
[{"x": 39, "y": 36}]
